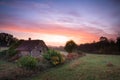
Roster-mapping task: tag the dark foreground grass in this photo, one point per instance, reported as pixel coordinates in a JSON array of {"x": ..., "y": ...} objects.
[
  {"x": 89, "y": 67},
  {"x": 6, "y": 66},
  {"x": 7, "y": 69}
]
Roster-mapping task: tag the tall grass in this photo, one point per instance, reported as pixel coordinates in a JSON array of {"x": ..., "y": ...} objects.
[{"x": 90, "y": 67}]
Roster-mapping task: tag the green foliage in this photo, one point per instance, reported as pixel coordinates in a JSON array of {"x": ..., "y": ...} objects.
[
  {"x": 28, "y": 62},
  {"x": 90, "y": 67},
  {"x": 11, "y": 51},
  {"x": 54, "y": 57},
  {"x": 16, "y": 44},
  {"x": 50, "y": 53},
  {"x": 3, "y": 53},
  {"x": 70, "y": 46}
]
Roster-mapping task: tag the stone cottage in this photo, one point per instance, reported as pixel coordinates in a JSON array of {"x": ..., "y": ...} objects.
[{"x": 34, "y": 48}]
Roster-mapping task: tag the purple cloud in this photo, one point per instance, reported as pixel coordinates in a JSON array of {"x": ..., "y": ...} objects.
[{"x": 74, "y": 13}]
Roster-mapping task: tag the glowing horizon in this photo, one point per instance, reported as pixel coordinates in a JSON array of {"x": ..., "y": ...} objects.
[{"x": 56, "y": 22}]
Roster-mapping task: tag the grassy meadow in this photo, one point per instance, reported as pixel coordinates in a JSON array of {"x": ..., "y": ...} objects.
[{"x": 89, "y": 67}]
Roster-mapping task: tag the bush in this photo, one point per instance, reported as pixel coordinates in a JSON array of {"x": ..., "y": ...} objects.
[
  {"x": 3, "y": 53},
  {"x": 54, "y": 57},
  {"x": 11, "y": 52},
  {"x": 28, "y": 62}
]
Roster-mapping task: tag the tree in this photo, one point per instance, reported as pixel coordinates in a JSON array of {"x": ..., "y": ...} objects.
[
  {"x": 6, "y": 39},
  {"x": 118, "y": 43},
  {"x": 70, "y": 46},
  {"x": 103, "y": 39},
  {"x": 103, "y": 42}
]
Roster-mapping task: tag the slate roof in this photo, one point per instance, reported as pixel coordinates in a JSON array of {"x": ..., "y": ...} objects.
[{"x": 28, "y": 45}]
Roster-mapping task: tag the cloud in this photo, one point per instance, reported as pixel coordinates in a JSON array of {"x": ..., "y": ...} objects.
[
  {"x": 116, "y": 28},
  {"x": 98, "y": 24},
  {"x": 52, "y": 29},
  {"x": 66, "y": 19},
  {"x": 82, "y": 32},
  {"x": 42, "y": 18},
  {"x": 26, "y": 5},
  {"x": 74, "y": 13},
  {"x": 41, "y": 5}
]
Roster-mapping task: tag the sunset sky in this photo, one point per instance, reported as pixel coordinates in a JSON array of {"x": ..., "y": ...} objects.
[{"x": 57, "y": 21}]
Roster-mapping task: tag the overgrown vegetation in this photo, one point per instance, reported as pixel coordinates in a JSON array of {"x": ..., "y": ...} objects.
[
  {"x": 11, "y": 71},
  {"x": 11, "y": 51},
  {"x": 3, "y": 53},
  {"x": 7, "y": 54},
  {"x": 28, "y": 62},
  {"x": 54, "y": 57},
  {"x": 90, "y": 67}
]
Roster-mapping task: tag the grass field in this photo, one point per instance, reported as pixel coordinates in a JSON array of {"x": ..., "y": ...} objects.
[
  {"x": 89, "y": 67},
  {"x": 7, "y": 68}
]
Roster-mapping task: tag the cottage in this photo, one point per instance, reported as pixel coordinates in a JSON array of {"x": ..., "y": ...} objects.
[{"x": 34, "y": 48}]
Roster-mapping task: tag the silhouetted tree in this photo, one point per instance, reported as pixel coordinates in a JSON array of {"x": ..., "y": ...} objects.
[
  {"x": 103, "y": 42},
  {"x": 6, "y": 39},
  {"x": 112, "y": 42},
  {"x": 103, "y": 46},
  {"x": 118, "y": 43},
  {"x": 70, "y": 46},
  {"x": 103, "y": 39}
]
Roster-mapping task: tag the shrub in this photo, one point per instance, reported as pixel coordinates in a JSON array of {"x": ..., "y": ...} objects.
[
  {"x": 11, "y": 52},
  {"x": 54, "y": 57},
  {"x": 3, "y": 53},
  {"x": 55, "y": 60},
  {"x": 28, "y": 62},
  {"x": 63, "y": 58}
]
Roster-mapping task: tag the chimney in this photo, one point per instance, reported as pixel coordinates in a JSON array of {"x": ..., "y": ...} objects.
[{"x": 29, "y": 39}]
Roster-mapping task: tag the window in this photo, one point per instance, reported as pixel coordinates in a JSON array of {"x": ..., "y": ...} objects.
[{"x": 40, "y": 51}]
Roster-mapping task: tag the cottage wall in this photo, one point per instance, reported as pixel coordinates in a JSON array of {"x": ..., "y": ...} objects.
[
  {"x": 36, "y": 52},
  {"x": 25, "y": 53},
  {"x": 42, "y": 47}
]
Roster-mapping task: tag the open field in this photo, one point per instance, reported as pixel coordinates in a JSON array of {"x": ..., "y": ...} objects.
[{"x": 90, "y": 67}]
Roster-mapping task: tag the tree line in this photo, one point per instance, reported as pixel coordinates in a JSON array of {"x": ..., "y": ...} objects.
[{"x": 103, "y": 46}]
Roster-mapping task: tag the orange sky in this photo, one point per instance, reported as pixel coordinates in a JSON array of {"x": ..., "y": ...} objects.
[{"x": 55, "y": 36}]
